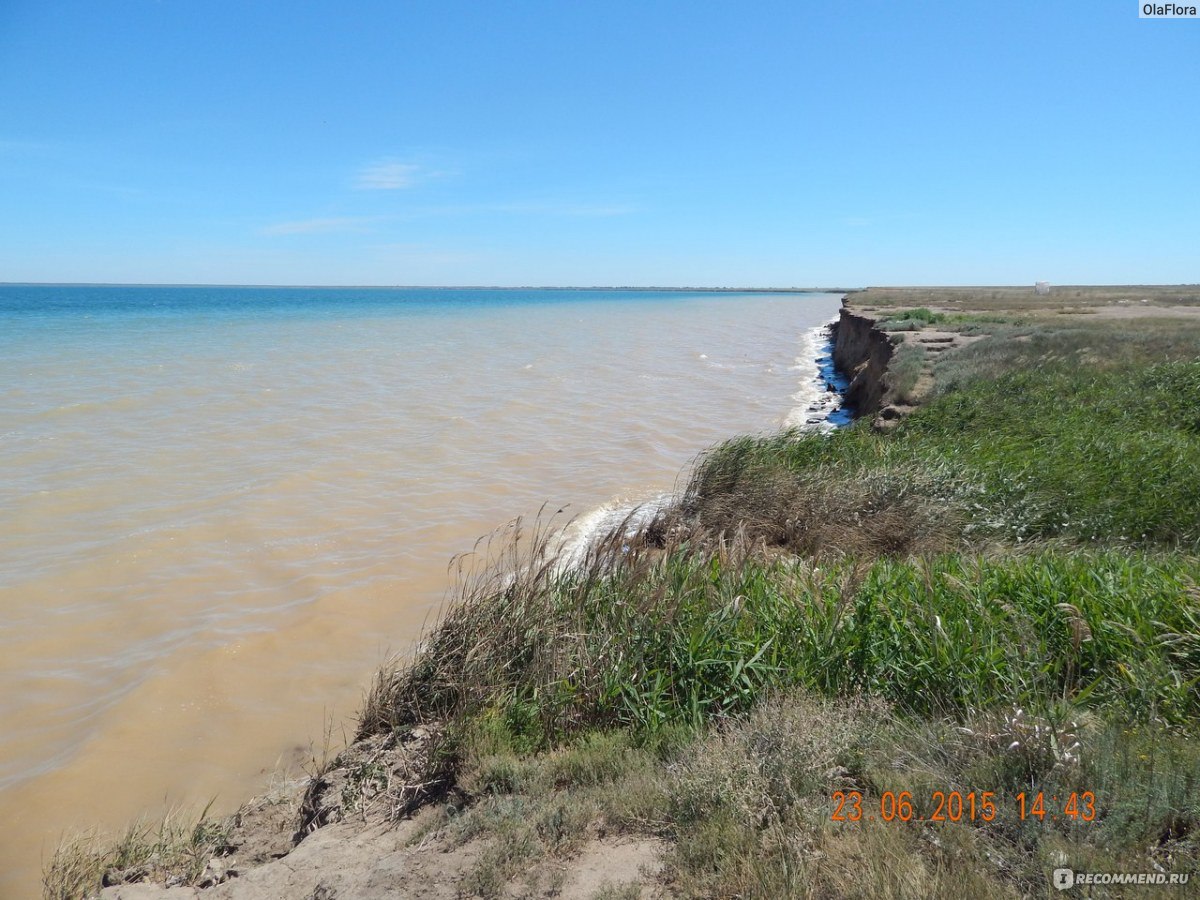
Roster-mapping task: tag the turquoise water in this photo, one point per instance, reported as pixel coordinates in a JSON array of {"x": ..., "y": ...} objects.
[
  {"x": 94, "y": 302},
  {"x": 220, "y": 508}
]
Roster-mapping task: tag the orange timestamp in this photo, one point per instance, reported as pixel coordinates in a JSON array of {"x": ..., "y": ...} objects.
[{"x": 960, "y": 806}]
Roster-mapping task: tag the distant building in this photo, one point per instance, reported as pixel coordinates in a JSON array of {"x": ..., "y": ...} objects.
[{"x": 1041, "y": 287}]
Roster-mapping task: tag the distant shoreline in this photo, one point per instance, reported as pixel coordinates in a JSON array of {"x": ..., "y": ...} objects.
[
  {"x": 932, "y": 293},
  {"x": 439, "y": 287}
]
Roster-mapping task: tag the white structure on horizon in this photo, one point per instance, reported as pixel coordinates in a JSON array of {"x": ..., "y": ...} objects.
[{"x": 1041, "y": 287}]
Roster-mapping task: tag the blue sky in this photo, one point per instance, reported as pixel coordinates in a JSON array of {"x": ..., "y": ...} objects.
[{"x": 515, "y": 143}]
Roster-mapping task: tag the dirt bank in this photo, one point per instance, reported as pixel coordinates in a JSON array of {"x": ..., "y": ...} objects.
[
  {"x": 865, "y": 353},
  {"x": 862, "y": 352}
]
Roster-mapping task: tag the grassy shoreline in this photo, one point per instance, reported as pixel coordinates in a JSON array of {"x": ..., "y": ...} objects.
[{"x": 996, "y": 593}]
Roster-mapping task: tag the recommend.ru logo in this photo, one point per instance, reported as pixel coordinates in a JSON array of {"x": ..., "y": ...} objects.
[{"x": 1068, "y": 878}]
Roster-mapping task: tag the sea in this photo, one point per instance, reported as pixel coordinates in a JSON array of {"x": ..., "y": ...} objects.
[{"x": 221, "y": 508}]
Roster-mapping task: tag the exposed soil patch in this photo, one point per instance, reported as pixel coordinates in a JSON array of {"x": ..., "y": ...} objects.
[{"x": 352, "y": 861}]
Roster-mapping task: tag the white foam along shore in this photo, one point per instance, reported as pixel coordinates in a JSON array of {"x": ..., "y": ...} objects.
[{"x": 816, "y": 400}]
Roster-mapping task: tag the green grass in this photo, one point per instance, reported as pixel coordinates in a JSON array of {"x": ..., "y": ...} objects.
[
  {"x": 1023, "y": 300},
  {"x": 690, "y": 637},
  {"x": 910, "y": 319},
  {"x": 904, "y": 371},
  {"x": 968, "y": 322},
  {"x": 1029, "y": 345},
  {"x": 1091, "y": 456}
]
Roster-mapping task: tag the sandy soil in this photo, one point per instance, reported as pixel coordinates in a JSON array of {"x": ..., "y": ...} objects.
[
  {"x": 364, "y": 853},
  {"x": 355, "y": 862}
]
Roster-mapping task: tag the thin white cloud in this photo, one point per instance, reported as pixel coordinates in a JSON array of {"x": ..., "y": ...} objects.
[
  {"x": 22, "y": 145},
  {"x": 523, "y": 208},
  {"x": 387, "y": 175},
  {"x": 320, "y": 226},
  {"x": 581, "y": 210}
]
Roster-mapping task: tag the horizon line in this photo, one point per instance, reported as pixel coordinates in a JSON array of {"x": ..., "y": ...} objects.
[
  {"x": 432, "y": 287},
  {"x": 580, "y": 287}
]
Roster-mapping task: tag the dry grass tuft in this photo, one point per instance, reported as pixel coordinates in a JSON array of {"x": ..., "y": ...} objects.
[
  {"x": 519, "y": 627},
  {"x": 494, "y": 624},
  {"x": 888, "y": 511},
  {"x": 176, "y": 850}
]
